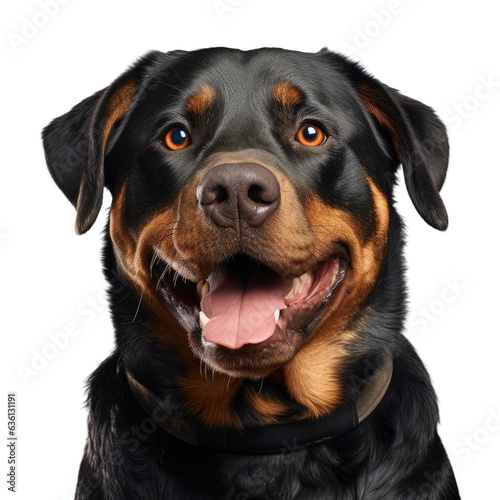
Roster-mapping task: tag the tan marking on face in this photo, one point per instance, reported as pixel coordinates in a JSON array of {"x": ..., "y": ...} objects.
[
  {"x": 135, "y": 268},
  {"x": 313, "y": 376},
  {"x": 133, "y": 253},
  {"x": 332, "y": 225},
  {"x": 287, "y": 96},
  {"x": 201, "y": 101},
  {"x": 124, "y": 244},
  {"x": 134, "y": 249}
]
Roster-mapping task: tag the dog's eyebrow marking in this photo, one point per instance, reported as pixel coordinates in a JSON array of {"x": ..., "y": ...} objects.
[
  {"x": 287, "y": 95},
  {"x": 199, "y": 102}
]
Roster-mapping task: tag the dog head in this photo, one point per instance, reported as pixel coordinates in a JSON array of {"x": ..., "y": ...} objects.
[{"x": 252, "y": 196}]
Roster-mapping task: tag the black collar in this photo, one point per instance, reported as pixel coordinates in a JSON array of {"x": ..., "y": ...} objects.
[{"x": 278, "y": 438}]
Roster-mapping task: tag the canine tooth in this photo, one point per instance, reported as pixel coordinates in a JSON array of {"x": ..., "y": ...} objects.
[
  {"x": 204, "y": 319},
  {"x": 305, "y": 278},
  {"x": 276, "y": 315},
  {"x": 298, "y": 284},
  {"x": 202, "y": 288},
  {"x": 294, "y": 290}
]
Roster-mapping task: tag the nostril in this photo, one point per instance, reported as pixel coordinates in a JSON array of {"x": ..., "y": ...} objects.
[
  {"x": 264, "y": 194},
  {"x": 220, "y": 194},
  {"x": 255, "y": 193},
  {"x": 213, "y": 195}
]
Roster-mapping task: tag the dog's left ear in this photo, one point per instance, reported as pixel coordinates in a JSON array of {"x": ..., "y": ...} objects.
[
  {"x": 75, "y": 143},
  {"x": 420, "y": 141}
]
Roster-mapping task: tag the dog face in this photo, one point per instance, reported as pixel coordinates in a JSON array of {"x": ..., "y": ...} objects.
[{"x": 252, "y": 197}]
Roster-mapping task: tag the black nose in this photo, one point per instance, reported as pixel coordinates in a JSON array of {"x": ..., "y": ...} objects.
[{"x": 232, "y": 193}]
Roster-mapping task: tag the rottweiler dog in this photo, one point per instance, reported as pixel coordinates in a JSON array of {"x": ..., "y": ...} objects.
[{"x": 256, "y": 279}]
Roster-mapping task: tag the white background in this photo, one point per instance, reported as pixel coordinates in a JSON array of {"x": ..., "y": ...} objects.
[{"x": 442, "y": 53}]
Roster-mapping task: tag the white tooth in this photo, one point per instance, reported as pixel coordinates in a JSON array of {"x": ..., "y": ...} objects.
[
  {"x": 276, "y": 315},
  {"x": 202, "y": 288},
  {"x": 298, "y": 284},
  {"x": 305, "y": 278},
  {"x": 204, "y": 319},
  {"x": 294, "y": 290}
]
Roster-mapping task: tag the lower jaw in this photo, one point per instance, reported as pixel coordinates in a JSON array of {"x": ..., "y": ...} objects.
[
  {"x": 256, "y": 361},
  {"x": 252, "y": 361}
]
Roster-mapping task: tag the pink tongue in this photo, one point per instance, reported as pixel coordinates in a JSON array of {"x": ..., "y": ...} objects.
[{"x": 243, "y": 312}]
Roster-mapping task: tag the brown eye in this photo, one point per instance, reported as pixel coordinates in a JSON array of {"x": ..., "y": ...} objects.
[
  {"x": 177, "y": 138},
  {"x": 310, "y": 135}
]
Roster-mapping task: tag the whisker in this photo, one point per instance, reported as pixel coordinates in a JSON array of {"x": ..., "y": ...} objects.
[
  {"x": 126, "y": 296},
  {"x": 167, "y": 268},
  {"x": 261, "y": 385},
  {"x": 179, "y": 77},
  {"x": 153, "y": 260},
  {"x": 175, "y": 87},
  {"x": 175, "y": 277},
  {"x": 138, "y": 306}
]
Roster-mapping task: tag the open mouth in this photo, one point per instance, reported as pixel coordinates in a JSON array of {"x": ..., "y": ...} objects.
[{"x": 243, "y": 302}]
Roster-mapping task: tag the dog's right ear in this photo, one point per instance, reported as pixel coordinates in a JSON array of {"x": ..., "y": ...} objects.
[{"x": 75, "y": 143}]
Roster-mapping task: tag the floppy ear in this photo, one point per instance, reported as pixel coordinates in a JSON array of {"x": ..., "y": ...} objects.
[
  {"x": 75, "y": 143},
  {"x": 420, "y": 142}
]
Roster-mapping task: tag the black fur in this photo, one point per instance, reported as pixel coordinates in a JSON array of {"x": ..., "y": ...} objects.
[{"x": 395, "y": 453}]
